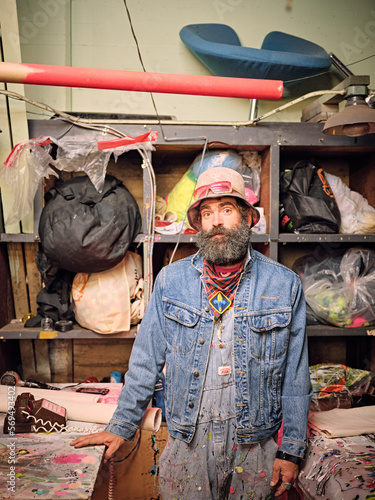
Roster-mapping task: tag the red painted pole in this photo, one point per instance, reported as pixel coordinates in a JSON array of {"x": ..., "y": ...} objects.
[{"x": 139, "y": 81}]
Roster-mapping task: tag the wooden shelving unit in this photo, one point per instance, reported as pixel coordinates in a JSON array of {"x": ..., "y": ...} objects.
[{"x": 279, "y": 145}]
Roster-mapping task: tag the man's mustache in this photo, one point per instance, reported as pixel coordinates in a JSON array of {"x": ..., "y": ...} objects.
[{"x": 217, "y": 230}]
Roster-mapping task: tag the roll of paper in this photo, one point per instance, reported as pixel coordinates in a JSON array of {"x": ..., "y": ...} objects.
[
  {"x": 57, "y": 397},
  {"x": 79, "y": 407},
  {"x": 101, "y": 413}
]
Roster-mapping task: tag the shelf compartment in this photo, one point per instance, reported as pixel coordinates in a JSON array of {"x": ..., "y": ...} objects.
[{"x": 334, "y": 331}]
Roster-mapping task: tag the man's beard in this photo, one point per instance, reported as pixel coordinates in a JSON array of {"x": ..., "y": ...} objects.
[{"x": 228, "y": 249}]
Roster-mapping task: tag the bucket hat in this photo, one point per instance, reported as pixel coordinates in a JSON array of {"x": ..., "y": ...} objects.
[{"x": 214, "y": 183}]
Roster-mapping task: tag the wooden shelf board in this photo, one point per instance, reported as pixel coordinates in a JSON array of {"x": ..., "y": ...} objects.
[{"x": 18, "y": 331}]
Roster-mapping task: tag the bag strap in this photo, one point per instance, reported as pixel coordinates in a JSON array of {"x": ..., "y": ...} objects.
[
  {"x": 88, "y": 195},
  {"x": 299, "y": 164},
  {"x": 61, "y": 189}
]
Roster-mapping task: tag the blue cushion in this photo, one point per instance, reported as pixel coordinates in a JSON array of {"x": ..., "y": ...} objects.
[{"x": 281, "y": 57}]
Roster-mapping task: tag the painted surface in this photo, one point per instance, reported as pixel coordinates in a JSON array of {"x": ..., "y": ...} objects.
[
  {"x": 46, "y": 467},
  {"x": 341, "y": 468}
]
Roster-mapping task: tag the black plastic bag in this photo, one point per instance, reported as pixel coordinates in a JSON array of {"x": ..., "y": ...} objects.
[
  {"x": 82, "y": 230},
  {"x": 54, "y": 300},
  {"x": 307, "y": 203}
]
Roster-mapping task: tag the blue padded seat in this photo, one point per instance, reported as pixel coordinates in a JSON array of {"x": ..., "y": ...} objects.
[{"x": 281, "y": 57}]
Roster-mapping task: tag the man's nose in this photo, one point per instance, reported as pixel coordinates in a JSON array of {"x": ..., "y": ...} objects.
[{"x": 217, "y": 219}]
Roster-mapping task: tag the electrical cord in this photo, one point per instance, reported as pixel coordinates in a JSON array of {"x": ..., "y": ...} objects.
[
  {"x": 191, "y": 197},
  {"x": 112, "y": 472},
  {"x": 150, "y": 221},
  {"x": 84, "y": 122},
  {"x": 112, "y": 480},
  {"x": 142, "y": 64},
  {"x": 81, "y": 122}
]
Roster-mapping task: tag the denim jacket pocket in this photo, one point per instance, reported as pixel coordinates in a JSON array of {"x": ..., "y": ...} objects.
[
  {"x": 269, "y": 334},
  {"x": 179, "y": 326}
]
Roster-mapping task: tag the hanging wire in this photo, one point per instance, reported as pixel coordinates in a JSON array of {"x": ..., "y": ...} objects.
[
  {"x": 142, "y": 64},
  {"x": 328, "y": 71},
  {"x": 150, "y": 223},
  {"x": 80, "y": 122},
  {"x": 192, "y": 193}
]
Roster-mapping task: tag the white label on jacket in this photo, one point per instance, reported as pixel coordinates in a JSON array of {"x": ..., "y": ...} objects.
[{"x": 224, "y": 370}]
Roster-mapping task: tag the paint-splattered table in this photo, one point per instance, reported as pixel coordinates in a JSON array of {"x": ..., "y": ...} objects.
[
  {"x": 44, "y": 466},
  {"x": 339, "y": 468}
]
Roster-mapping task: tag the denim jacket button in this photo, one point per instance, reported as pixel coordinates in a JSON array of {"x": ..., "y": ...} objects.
[
  {"x": 206, "y": 309},
  {"x": 201, "y": 341},
  {"x": 191, "y": 405},
  {"x": 196, "y": 374},
  {"x": 184, "y": 435}
]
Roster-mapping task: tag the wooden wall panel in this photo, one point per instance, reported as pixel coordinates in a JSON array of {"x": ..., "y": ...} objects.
[
  {"x": 17, "y": 269},
  {"x": 61, "y": 360},
  {"x": 6, "y": 295},
  {"x": 33, "y": 277},
  {"x": 98, "y": 358}
]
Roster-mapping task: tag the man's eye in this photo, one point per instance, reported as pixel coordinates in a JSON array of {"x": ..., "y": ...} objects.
[
  {"x": 206, "y": 215},
  {"x": 227, "y": 211}
]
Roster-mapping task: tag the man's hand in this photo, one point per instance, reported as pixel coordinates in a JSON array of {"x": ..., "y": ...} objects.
[
  {"x": 112, "y": 442},
  {"x": 284, "y": 473}
]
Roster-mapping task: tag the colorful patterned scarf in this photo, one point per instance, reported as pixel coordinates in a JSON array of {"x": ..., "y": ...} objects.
[{"x": 220, "y": 289}]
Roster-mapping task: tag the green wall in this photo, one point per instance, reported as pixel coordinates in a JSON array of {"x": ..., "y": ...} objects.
[{"x": 96, "y": 33}]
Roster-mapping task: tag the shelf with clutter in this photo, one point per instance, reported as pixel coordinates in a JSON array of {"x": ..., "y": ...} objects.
[{"x": 173, "y": 156}]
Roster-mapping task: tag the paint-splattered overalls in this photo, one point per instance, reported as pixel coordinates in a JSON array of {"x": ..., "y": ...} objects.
[{"x": 213, "y": 466}]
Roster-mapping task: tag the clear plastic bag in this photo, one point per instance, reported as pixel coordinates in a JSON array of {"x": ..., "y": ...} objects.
[
  {"x": 92, "y": 156},
  {"x": 30, "y": 161},
  {"x": 26, "y": 165},
  {"x": 246, "y": 163},
  {"x": 340, "y": 289},
  {"x": 251, "y": 174},
  {"x": 334, "y": 385}
]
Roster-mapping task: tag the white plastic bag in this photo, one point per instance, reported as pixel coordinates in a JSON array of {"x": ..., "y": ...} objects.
[
  {"x": 110, "y": 301},
  {"x": 357, "y": 216}
]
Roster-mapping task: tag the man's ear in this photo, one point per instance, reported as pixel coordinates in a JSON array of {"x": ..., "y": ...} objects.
[{"x": 249, "y": 218}]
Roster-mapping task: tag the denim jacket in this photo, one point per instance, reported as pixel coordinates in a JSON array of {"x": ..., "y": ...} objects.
[{"x": 270, "y": 353}]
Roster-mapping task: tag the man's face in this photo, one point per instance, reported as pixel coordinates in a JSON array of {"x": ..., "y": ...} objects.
[
  {"x": 219, "y": 212},
  {"x": 225, "y": 234}
]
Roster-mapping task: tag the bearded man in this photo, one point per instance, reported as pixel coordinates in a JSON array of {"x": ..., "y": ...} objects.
[{"x": 228, "y": 323}]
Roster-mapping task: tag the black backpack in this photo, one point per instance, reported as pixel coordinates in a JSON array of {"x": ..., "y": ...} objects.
[{"x": 82, "y": 230}]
